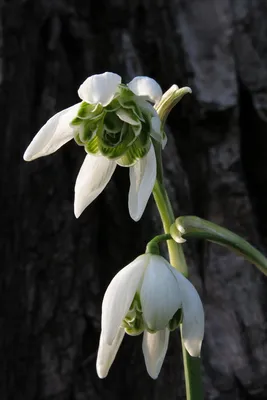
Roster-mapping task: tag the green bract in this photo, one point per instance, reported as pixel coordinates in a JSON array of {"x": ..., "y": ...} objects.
[{"x": 121, "y": 130}]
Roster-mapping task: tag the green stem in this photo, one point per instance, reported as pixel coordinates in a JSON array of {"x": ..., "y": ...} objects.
[
  {"x": 153, "y": 245},
  {"x": 175, "y": 250},
  {"x": 192, "y": 365}
]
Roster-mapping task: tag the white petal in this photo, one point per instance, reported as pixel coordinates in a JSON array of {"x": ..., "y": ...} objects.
[
  {"x": 99, "y": 88},
  {"x": 94, "y": 175},
  {"x": 142, "y": 179},
  {"x": 119, "y": 296},
  {"x": 160, "y": 295},
  {"x": 193, "y": 316},
  {"x": 155, "y": 346},
  {"x": 156, "y": 129},
  {"x": 106, "y": 354},
  {"x": 56, "y": 132},
  {"x": 145, "y": 86}
]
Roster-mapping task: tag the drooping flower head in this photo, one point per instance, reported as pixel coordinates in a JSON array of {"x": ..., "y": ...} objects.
[
  {"x": 149, "y": 296},
  {"x": 115, "y": 124},
  {"x": 115, "y": 121}
]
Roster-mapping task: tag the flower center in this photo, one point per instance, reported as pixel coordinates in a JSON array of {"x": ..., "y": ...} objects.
[{"x": 121, "y": 130}]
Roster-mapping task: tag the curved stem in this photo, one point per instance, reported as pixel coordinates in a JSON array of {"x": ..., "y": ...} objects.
[{"x": 152, "y": 246}]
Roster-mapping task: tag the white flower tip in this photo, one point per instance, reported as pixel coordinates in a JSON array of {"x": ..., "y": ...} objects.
[
  {"x": 174, "y": 88},
  {"x": 187, "y": 89},
  {"x": 99, "y": 88},
  {"x": 193, "y": 347},
  {"x": 145, "y": 86},
  {"x": 135, "y": 215},
  {"x": 102, "y": 370},
  {"x": 77, "y": 213},
  {"x": 78, "y": 207},
  {"x": 27, "y": 156},
  {"x": 153, "y": 374}
]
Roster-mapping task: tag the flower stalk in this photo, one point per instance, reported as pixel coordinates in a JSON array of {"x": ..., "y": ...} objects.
[
  {"x": 153, "y": 246},
  {"x": 192, "y": 365}
]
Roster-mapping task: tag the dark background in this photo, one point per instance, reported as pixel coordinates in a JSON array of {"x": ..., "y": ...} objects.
[{"x": 54, "y": 268}]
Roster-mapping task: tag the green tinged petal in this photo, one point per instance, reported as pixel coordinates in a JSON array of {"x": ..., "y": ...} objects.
[
  {"x": 136, "y": 151},
  {"x": 113, "y": 106},
  {"x": 90, "y": 110},
  {"x": 92, "y": 146},
  {"x": 112, "y": 123},
  {"x": 128, "y": 116}
]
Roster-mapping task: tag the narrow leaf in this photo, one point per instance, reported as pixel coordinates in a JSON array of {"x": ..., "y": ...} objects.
[{"x": 189, "y": 227}]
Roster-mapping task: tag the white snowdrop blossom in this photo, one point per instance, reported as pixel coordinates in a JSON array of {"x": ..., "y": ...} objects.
[
  {"x": 114, "y": 123},
  {"x": 149, "y": 296}
]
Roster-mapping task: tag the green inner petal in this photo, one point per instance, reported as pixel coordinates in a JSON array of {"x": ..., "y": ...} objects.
[
  {"x": 113, "y": 123},
  {"x": 127, "y": 115},
  {"x": 87, "y": 110},
  {"x": 115, "y": 145},
  {"x": 113, "y": 106},
  {"x": 92, "y": 146},
  {"x": 136, "y": 151}
]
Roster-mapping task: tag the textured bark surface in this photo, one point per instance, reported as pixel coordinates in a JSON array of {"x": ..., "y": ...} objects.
[{"x": 55, "y": 268}]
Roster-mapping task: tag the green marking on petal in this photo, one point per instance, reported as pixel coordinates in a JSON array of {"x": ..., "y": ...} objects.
[
  {"x": 114, "y": 146},
  {"x": 128, "y": 116},
  {"x": 78, "y": 140},
  {"x": 137, "y": 129},
  {"x": 112, "y": 123},
  {"x": 92, "y": 146},
  {"x": 124, "y": 92},
  {"x": 86, "y": 131},
  {"x": 91, "y": 111},
  {"x": 133, "y": 154},
  {"x": 76, "y": 121},
  {"x": 113, "y": 106}
]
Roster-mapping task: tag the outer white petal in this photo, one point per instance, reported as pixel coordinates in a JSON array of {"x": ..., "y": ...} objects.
[
  {"x": 142, "y": 179},
  {"x": 145, "y": 86},
  {"x": 154, "y": 348},
  {"x": 106, "y": 354},
  {"x": 94, "y": 175},
  {"x": 160, "y": 295},
  {"x": 99, "y": 88},
  {"x": 156, "y": 128},
  {"x": 193, "y": 316},
  {"x": 56, "y": 132},
  {"x": 119, "y": 296}
]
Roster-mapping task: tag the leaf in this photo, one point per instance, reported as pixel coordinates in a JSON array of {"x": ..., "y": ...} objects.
[{"x": 189, "y": 227}]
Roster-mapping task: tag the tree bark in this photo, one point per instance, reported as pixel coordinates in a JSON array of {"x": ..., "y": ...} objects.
[{"x": 55, "y": 269}]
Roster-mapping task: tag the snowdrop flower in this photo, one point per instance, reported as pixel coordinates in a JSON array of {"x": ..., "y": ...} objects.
[
  {"x": 114, "y": 123},
  {"x": 149, "y": 296}
]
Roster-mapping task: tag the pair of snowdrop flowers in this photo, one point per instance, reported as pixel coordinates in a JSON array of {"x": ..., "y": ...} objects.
[
  {"x": 149, "y": 296},
  {"x": 115, "y": 123}
]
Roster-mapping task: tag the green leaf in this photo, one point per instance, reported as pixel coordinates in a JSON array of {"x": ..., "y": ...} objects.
[{"x": 189, "y": 227}]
